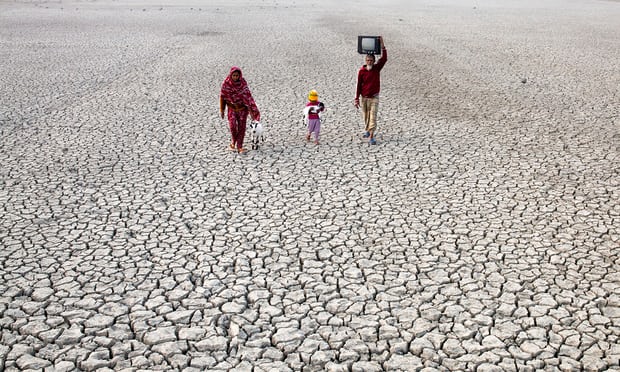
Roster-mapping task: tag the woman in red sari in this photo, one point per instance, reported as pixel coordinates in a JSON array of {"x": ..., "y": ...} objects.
[{"x": 236, "y": 96}]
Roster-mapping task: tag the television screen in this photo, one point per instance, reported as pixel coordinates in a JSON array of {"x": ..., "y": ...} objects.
[{"x": 368, "y": 45}]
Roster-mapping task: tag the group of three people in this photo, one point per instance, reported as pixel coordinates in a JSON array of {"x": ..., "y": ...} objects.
[{"x": 237, "y": 100}]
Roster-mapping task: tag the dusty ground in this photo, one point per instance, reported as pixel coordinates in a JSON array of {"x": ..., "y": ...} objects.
[{"x": 481, "y": 233}]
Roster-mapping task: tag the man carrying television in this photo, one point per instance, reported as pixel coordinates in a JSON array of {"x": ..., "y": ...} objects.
[{"x": 368, "y": 86}]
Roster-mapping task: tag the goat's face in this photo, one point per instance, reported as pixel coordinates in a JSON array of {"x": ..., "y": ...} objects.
[{"x": 256, "y": 128}]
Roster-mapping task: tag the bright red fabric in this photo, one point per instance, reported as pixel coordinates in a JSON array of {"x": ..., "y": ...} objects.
[{"x": 238, "y": 93}]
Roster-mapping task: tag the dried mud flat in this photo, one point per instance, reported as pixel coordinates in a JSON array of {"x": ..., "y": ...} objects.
[{"x": 481, "y": 233}]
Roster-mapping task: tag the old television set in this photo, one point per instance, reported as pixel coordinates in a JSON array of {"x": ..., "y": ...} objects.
[{"x": 368, "y": 45}]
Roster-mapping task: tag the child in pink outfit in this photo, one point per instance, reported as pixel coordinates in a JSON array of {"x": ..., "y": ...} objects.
[{"x": 312, "y": 117}]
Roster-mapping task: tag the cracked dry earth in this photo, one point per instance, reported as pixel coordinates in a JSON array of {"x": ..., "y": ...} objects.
[{"x": 480, "y": 234}]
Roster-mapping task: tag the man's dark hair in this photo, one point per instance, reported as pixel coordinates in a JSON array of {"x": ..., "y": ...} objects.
[{"x": 371, "y": 56}]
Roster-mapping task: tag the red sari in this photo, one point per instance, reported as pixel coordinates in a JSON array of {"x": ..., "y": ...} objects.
[{"x": 237, "y": 97}]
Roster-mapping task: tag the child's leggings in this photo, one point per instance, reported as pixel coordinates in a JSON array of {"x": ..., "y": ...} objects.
[{"x": 314, "y": 126}]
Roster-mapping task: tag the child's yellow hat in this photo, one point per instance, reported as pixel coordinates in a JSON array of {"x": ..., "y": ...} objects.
[{"x": 313, "y": 95}]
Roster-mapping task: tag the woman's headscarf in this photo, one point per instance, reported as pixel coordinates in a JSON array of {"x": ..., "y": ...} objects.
[{"x": 238, "y": 93}]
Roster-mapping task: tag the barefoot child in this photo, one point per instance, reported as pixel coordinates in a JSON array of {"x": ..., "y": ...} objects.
[{"x": 312, "y": 116}]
